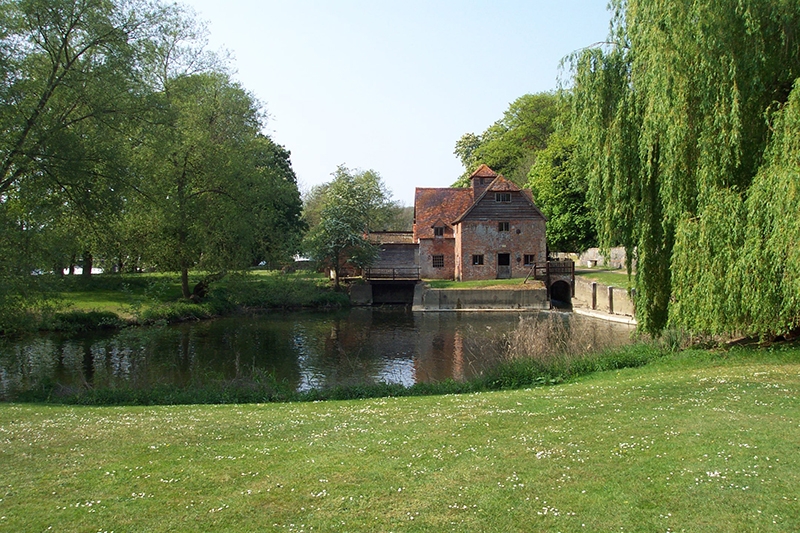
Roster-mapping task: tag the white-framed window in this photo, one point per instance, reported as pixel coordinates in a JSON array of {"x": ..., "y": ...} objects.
[
  {"x": 438, "y": 231},
  {"x": 529, "y": 259},
  {"x": 477, "y": 259},
  {"x": 503, "y": 226},
  {"x": 437, "y": 261},
  {"x": 502, "y": 197}
]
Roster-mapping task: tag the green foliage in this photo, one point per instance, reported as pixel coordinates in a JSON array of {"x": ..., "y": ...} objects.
[
  {"x": 354, "y": 203},
  {"x": 367, "y": 199},
  {"x": 524, "y": 372},
  {"x": 770, "y": 263},
  {"x": 669, "y": 125},
  {"x": 215, "y": 193},
  {"x": 77, "y": 321},
  {"x": 560, "y": 192},
  {"x": 510, "y": 145},
  {"x": 126, "y": 144}
]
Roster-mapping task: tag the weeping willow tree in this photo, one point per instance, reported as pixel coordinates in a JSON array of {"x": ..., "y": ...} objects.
[{"x": 685, "y": 124}]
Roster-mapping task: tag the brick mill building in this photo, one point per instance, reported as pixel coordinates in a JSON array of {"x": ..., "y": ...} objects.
[{"x": 492, "y": 229}]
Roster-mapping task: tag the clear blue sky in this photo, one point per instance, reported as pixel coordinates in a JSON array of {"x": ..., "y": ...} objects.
[{"x": 392, "y": 86}]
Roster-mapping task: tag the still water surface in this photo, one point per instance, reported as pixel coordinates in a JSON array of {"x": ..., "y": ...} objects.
[{"x": 305, "y": 350}]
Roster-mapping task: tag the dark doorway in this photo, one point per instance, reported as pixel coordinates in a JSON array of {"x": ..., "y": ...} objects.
[{"x": 503, "y": 266}]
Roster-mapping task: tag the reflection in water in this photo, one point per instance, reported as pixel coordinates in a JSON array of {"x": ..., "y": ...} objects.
[{"x": 303, "y": 350}]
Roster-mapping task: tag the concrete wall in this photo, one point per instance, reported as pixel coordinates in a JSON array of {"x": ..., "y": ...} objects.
[
  {"x": 361, "y": 294},
  {"x": 599, "y": 297},
  {"x": 426, "y": 299}
]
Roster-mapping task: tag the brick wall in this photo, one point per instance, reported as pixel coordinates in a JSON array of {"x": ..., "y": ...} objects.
[
  {"x": 483, "y": 238},
  {"x": 436, "y": 246}
]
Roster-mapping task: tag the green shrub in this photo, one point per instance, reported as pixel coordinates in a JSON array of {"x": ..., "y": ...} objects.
[
  {"x": 75, "y": 321},
  {"x": 175, "y": 312}
]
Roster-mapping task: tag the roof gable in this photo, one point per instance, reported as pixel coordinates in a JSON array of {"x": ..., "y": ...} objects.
[
  {"x": 500, "y": 184},
  {"x": 484, "y": 171}
]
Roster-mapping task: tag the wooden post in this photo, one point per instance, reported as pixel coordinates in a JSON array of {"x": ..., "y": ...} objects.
[{"x": 611, "y": 300}]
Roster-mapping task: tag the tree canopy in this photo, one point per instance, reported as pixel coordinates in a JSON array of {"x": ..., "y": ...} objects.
[
  {"x": 680, "y": 122},
  {"x": 560, "y": 192},
  {"x": 125, "y": 142},
  {"x": 509, "y": 146},
  {"x": 341, "y": 214}
]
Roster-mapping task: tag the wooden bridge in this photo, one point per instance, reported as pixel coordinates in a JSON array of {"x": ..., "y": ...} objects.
[
  {"x": 558, "y": 277},
  {"x": 392, "y": 274}
]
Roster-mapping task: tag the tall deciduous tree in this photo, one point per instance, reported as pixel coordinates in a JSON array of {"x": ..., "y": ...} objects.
[
  {"x": 509, "y": 146},
  {"x": 215, "y": 194},
  {"x": 69, "y": 82},
  {"x": 560, "y": 192},
  {"x": 353, "y": 203},
  {"x": 670, "y": 127}
]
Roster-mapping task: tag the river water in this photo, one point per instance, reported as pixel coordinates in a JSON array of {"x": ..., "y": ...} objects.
[{"x": 302, "y": 349}]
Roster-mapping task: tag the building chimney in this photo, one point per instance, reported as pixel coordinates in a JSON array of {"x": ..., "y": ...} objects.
[{"x": 481, "y": 179}]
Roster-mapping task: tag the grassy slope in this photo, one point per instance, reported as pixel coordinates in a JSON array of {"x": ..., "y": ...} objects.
[
  {"x": 696, "y": 442},
  {"x": 153, "y": 296},
  {"x": 615, "y": 278}
]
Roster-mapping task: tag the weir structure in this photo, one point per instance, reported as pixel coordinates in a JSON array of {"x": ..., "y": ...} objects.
[{"x": 403, "y": 285}]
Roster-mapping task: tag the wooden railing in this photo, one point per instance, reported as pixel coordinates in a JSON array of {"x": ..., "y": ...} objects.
[
  {"x": 544, "y": 271},
  {"x": 403, "y": 273}
]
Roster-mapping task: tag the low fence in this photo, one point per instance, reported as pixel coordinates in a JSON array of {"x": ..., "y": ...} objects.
[{"x": 544, "y": 271}]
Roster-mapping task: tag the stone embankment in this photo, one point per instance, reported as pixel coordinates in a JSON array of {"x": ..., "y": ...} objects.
[{"x": 595, "y": 299}]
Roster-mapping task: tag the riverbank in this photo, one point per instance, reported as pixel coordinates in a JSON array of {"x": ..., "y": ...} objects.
[
  {"x": 699, "y": 441},
  {"x": 117, "y": 300}
]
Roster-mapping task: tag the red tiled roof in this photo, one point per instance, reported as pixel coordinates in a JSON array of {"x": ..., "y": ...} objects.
[
  {"x": 434, "y": 206},
  {"x": 500, "y": 184},
  {"x": 391, "y": 237},
  {"x": 484, "y": 171}
]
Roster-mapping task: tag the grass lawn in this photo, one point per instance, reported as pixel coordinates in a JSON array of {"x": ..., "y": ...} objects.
[
  {"x": 615, "y": 278},
  {"x": 698, "y": 441},
  {"x": 124, "y": 294}
]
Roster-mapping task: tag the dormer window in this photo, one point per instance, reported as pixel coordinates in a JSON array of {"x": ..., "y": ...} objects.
[
  {"x": 502, "y": 197},
  {"x": 438, "y": 231}
]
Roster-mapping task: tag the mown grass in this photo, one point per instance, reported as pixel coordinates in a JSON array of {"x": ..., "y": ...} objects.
[
  {"x": 697, "y": 441},
  {"x": 612, "y": 278}
]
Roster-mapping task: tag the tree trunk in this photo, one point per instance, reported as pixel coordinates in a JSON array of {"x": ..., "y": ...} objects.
[
  {"x": 185, "y": 283},
  {"x": 71, "y": 265},
  {"x": 88, "y": 262}
]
